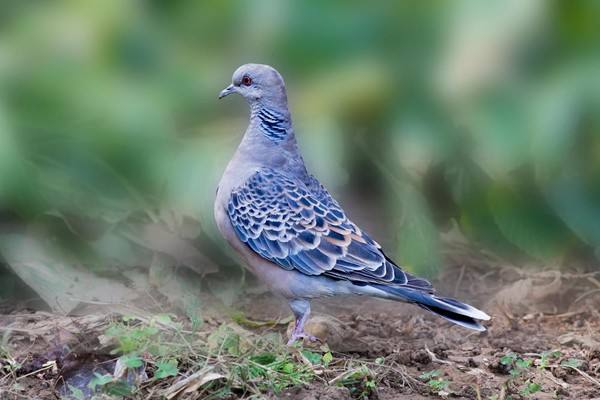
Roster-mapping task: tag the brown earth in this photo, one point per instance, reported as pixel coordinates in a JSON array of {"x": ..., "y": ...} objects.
[{"x": 534, "y": 314}]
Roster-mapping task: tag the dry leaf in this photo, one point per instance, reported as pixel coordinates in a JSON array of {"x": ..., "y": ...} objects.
[
  {"x": 61, "y": 285},
  {"x": 529, "y": 294},
  {"x": 192, "y": 383},
  {"x": 158, "y": 238}
]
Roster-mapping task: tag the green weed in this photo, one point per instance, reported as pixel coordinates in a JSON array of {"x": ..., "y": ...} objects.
[
  {"x": 545, "y": 358},
  {"x": 516, "y": 365},
  {"x": 530, "y": 388},
  {"x": 360, "y": 381},
  {"x": 434, "y": 380}
]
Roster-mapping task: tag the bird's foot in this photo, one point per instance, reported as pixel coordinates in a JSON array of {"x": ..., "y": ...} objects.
[{"x": 302, "y": 336}]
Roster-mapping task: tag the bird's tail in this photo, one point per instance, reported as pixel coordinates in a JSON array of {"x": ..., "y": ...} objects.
[{"x": 453, "y": 310}]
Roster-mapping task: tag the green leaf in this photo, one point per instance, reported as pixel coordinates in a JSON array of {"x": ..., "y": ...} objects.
[
  {"x": 565, "y": 111},
  {"x": 264, "y": 358},
  {"x": 418, "y": 247},
  {"x": 193, "y": 311},
  {"x": 165, "y": 319},
  {"x": 546, "y": 356},
  {"x": 508, "y": 359},
  {"x": 438, "y": 384},
  {"x": 328, "y": 357},
  {"x": 288, "y": 368},
  {"x": 99, "y": 380},
  {"x": 166, "y": 369},
  {"x": 531, "y": 388},
  {"x": 501, "y": 143},
  {"x": 76, "y": 392},
  {"x": 515, "y": 372},
  {"x": 527, "y": 224},
  {"x": 225, "y": 337},
  {"x": 469, "y": 186},
  {"x": 430, "y": 374},
  {"x": 523, "y": 364},
  {"x": 119, "y": 388},
  {"x": 534, "y": 387},
  {"x": 132, "y": 360},
  {"x": 418, "y": 239},
  {"x": 576, "y": 203},
  {"x": 19, "y": 186},
  {"x": 314, "y": 358},
  {"x": 565, "y": 142}
]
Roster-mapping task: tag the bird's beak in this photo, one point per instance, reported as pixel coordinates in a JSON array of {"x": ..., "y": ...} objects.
[{"x": 227, "y": 91}]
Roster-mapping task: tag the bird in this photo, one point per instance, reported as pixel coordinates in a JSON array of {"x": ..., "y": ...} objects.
[{"x": 289, "y": 230}]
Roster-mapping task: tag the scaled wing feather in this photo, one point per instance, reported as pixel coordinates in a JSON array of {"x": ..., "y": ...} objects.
[{"x": 298, "y": 225}]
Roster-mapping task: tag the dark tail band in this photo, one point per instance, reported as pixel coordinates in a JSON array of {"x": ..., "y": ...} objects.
[{"x": 453, "y": 310}]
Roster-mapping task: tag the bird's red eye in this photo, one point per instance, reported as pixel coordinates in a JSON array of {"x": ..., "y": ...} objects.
[{"x": 246, "y": 80}]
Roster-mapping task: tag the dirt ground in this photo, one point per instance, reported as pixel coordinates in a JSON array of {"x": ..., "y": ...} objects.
[
  {"x": 529, "y": 323},
  {"x": 543, "y": 341}
]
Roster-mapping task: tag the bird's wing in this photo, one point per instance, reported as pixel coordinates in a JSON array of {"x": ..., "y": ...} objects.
[{"x": 299, "y": 226}]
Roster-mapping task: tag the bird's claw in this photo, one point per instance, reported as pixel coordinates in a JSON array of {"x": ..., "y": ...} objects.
[{"x": 303, "y": 336}]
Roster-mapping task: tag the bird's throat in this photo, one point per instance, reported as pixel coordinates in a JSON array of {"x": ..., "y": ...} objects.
[{"x": 273, "y": 124}]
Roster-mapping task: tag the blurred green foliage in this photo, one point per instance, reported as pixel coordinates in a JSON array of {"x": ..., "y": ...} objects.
[{"x": 483, "y": 113}]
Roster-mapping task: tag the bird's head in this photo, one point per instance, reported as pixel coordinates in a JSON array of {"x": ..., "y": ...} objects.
[{"x": 258, "y": 84}]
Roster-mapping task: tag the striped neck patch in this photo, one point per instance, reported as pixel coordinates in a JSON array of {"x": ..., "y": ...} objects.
[{"x": 272, "y": 124}]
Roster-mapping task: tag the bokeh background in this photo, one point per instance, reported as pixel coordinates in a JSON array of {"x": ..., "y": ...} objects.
[{"x": 430, "y": 121}]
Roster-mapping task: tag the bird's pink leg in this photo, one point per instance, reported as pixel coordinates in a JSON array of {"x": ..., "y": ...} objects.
[{"x": 301, "y": 309}]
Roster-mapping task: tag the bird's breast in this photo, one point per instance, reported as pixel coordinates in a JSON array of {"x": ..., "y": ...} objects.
[{"x": 235, "y": 175}]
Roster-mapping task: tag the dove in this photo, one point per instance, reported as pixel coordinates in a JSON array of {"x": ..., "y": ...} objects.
[{"x": 288, "y": 229}]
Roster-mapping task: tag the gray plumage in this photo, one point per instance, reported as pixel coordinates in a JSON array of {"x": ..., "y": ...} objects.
[{"x": 290, "y": 231}]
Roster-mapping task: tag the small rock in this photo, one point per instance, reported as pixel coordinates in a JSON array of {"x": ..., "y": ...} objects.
[
  {"x": 404, "y": 357},
  {"x": 421, "y": 357},
  {"x": 326, "y": 328}
]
